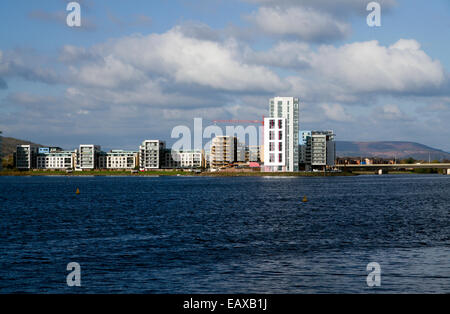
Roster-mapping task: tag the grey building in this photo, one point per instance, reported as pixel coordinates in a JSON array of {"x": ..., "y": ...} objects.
[
  {"x": 26, "y": 157},
  {"x": 88, "y": 157},
  {"x": 318, "y": 150},
  {"x": 253, "y": 154},
  {"x": 152, "y": 155}
]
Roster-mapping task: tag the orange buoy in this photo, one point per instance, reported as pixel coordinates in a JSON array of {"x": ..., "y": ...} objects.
[
  {"x": 305, "y": 199},
  {"x": 78, "y": 191}
]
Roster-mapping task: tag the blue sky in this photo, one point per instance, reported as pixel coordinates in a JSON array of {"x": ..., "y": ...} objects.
[{"x": 136, "y": 69}]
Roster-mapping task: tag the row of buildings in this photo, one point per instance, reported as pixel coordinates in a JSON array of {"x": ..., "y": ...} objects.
[
  {"x": 284, "y": 149},
  {"x": 152, "y": 155}
]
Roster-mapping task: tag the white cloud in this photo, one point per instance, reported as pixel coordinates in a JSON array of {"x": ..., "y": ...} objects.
[
  {"x": 179, "y": 59},
  {"x": 336, "y": 112},
  {"x": 286, "y": 54},
  {"x": 390, "y": 112},
  {"x": 370, "y": 67},
  {"x": 303, "y": 23}
]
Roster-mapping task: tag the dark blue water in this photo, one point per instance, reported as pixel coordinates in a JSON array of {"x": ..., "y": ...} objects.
[{"x": 225, "y": 235}]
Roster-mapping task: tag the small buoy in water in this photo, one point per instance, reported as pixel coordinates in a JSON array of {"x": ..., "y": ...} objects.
[
  {"x": 78, "y": 191},
  {"x": 305, "y": 199}
]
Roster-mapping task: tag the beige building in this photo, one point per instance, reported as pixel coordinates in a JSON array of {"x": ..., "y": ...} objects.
[
  {"x": 223, "y": 152},
  {"x": 118, "y": 160}
]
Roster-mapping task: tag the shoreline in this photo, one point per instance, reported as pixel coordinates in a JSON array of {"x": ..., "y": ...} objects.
[
  {"x": 190, "y": 174},
  {"x": 170, "y": 174}
]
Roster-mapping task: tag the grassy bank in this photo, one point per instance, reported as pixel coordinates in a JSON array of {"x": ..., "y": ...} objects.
[{"x": 173, "y": 173}]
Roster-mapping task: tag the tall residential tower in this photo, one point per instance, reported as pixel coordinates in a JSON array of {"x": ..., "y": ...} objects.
[{"x": 281, "y": 131}]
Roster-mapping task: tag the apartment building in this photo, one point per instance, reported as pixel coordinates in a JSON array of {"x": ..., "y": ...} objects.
[
  {"x": 275, "y": 153},
  {"x": 152, "y": 155},
  {"x": 280, "y": 108},
  {"x": 240, "y": 152},
  {"x": 223, "y": 151},
  {"x": 118, "y": 160},
  {"x": 253, "y": 154},
  {"x": 319, "y": 150},
  {"x": 26, "y": 157},
  {"x": 88, "y": 157},
  {"x": 193, "y": 159},
  {"x": 55, "y": 159}
]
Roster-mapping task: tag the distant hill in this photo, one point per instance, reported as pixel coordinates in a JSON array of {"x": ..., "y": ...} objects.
[
  {"x": 9, "y": 145},
  {"x": 400, "y": 150}
]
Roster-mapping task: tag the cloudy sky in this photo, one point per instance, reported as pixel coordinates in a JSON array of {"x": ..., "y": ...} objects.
[{"x": 138, "y": 68}]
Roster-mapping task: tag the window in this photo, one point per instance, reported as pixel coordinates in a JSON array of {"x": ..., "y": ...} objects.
[
  {"x": 280, "y": 146},
  {"x": 280, "y": 135},
  {"x": 280, "y": 124},
  {"x": 271, "y": 146},
  {"x": 272, "y": 124},
  {"x": 280, "y": 157},
  {"x": 272, "y": 158},
  {"x": 271, "y": 135}
]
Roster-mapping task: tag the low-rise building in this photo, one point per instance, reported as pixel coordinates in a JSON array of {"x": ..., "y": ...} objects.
[
  {"x": 191, "y": 159},
  {"x": 152, "y": 155},
  {"x": 118, "y": 160},
  {"x": 26, "y": 157},
  {"x": 55, "y": 159},
  {"x": 253, "y": 154}
]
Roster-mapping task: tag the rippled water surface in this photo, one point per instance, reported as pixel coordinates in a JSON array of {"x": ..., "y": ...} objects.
[{"x": 225, "y": 235}]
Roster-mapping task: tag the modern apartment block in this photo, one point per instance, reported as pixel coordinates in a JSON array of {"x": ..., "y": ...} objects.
[
  {"x": 223, "y": 151},
  {"x": 253, "y": 154},
  {"x": 275, "y": 156},
  {"x": 118, "y": 160},
  {"x": 319, "y": 150},
  {"x": 26, "y": 157},
  {"x": 55, "y": 158},
  {"x": 286, "y": 108},
  {"x": 240, "y": 152},
  {"x": 88, "y": 157},
  {"x": 152, "y": 155},
  {"x": 194, "y": 159}
]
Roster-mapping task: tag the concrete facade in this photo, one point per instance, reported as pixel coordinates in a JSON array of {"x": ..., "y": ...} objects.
[
  {"x": 26, "y": 157},
  {"x": 318, "y": 151},
  {"x": 288, "y": 109},
  {"x": 118, "y": 160},
  {"x": 275, "y": 153},
  {"x": 56, "y": 160},
  {"x": 87, "y": 157},
  {"x": 223, "y": 152},
  {"x": 152, "y": 155}
]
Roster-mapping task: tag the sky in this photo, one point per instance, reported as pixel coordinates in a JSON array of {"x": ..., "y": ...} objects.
[{"x": 136, "y": 69}]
